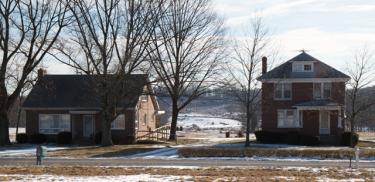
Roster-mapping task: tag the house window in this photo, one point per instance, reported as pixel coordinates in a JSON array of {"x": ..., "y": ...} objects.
[
  {"x": 118, "y": 123},
  {"x": 307, "y": 67},
  {"x": 283, "y": 91},
  {"x": 145, "y": 118},
  {"x": 302, "y": 67},
  {"x": 144, "y": 98},
  {"x": 54, "y": 123},
  {"x": 287, "y": 118},
  {"x": 322, "y": 90}
]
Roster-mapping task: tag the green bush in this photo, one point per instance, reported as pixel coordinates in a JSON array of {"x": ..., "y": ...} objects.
[
  {"x": 64, "y": 138},
  {"x": 345, "y": 139},
  {"x": 38, "y": 138},
  {"x": 21, "y": 138}
]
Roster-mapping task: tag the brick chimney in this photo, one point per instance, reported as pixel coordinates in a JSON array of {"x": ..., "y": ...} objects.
[
  {"x": 264, "y": 65},
  {"x": 41, "y": 73}
]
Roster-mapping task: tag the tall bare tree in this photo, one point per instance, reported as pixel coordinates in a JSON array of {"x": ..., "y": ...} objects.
[
  {"x": 108, "y": 41},
  {"x": 28, "y": 29},
  {"x": 361, "y": 71},
  {"x": 245, "y": 67},
  {"x": 188, "y": 46}
]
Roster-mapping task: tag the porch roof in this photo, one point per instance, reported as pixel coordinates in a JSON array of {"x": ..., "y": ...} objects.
[{"x": 318, "y": 104}]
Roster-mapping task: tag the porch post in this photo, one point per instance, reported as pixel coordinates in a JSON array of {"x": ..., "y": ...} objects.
[{"x": 339, "y": 122}]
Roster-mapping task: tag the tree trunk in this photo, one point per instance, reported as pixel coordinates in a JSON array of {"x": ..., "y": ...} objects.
[
  {"x": 106, "y": 130},
  {"x": 248, "y": 124},
  {"x": 172, "y": 135},
  {"x": 4, "y": 127},
  {"x": 351, "y": 132},
  {"x": 19, "y": 112}
]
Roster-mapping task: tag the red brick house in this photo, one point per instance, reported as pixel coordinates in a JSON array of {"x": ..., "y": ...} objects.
[
  {"x": 68, "y": 103},
  {"x": 304, "y": 95}
]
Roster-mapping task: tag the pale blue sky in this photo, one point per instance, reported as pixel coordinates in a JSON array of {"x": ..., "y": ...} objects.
[{"x": 330, "y": 29}]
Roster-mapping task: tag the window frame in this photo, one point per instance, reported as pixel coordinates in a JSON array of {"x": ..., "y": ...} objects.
[
  {"x": 322, "y": 90},
  {"x": 304, "y": 67},
  {"x": 300, "y": 67},
  {"x": 60, "y": 129},
  {"x": 283, "y": 91},
  {"x": 296, "y": 119},
  {"x": 114, "y": 126}
]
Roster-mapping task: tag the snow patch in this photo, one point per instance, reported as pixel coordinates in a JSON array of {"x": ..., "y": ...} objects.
[
  {"x": 205, "y": 122},
  {"x": 130, "y": 178},
  {"x": 25, "y": 150}
]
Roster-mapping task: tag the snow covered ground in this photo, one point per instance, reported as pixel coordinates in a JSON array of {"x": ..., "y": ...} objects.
[
  {"x": 24, "y": 150},
  {"x": 206, "y": 122}
]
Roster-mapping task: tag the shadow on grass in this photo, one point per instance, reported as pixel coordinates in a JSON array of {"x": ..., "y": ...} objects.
[{"x": 125, "y": 152}]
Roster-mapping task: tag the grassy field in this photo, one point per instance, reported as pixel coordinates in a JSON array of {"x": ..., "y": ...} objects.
[
  {"x": 97, "y": 151},
  {"x": 367, "y": 149},
  {"x": 115, "y": 150},
  {"x": 198, "y": 174}
]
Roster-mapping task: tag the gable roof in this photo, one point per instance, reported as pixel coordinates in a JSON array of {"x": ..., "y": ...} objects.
[
  {"x": 321, "y": 70},
  {"x": 79, "y": 92}
]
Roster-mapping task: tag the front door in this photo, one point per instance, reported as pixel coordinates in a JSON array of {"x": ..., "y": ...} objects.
[
  {"x": 88, "y": 126},
  {"x": 324, "y": 123}
]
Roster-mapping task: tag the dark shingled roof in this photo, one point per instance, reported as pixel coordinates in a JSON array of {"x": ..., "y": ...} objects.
[
  {"x": 317, "y": 103},
  {"x": 321, "y": 70},
  {"x": 78, "y": 91}
]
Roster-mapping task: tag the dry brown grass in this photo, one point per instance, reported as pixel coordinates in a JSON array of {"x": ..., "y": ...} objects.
[
  {"x": 98, "y": 151},
  {"x": 277, "y": 152},
  {"x": 199, "y": 174}
]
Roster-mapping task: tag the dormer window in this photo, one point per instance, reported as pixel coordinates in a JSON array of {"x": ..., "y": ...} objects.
[
  {"x": 307, "y": 67},
  {"x": 302, "y": 67}
]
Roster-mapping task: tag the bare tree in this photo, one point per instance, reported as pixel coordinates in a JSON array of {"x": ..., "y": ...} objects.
[
  {"x": 245, "y": 67},
  {"x": 361, "y": 71},
  {"x": 28, "y": 29},
  {"x": 108, "y": 41},
  {"x": 188, "y": 46}
]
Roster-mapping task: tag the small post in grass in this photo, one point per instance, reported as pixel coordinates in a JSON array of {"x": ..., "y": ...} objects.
[
  {"x": 40, "y": 153},
  {"x": 357, "y": 157}
]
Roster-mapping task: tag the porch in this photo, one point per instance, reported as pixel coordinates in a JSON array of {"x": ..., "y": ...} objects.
[{"x": 323, "y": 118}]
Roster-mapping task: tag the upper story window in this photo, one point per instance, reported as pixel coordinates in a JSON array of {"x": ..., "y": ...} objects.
[
  {"x": 144, "y": 98},
  {"x": 307, "y": 67},
  {"x": 302, "y": 67},
  {"x": 283, "y": 91},
  {"x": 322, "y": 90}
]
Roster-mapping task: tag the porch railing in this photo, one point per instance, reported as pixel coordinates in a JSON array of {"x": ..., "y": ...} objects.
[{"x": 158, "y": 134}]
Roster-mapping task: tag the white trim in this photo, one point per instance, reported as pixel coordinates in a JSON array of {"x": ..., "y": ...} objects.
[
  {"x": 330, "y": 108},
  {"x": 303, "y": 80},
  {"x": 329, "y": 123},
  {"x": 83, "y": 112},
  {"x": 339, "y": 119}
]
